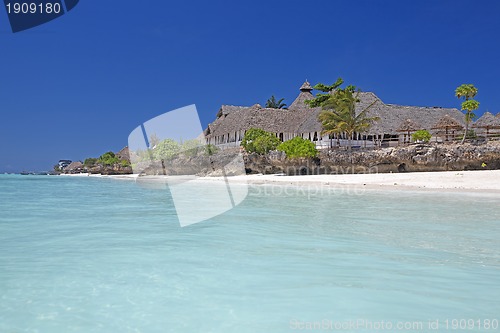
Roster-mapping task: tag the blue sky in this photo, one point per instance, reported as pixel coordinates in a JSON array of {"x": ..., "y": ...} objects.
[{"x": 77, "y": 86}]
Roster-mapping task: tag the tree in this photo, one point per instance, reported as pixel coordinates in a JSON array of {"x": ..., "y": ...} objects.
[
  {"x": 258, "y": 141},
  {"x": 90, "y": 162},
  {"x": 275, "y": 104},
  {"x": 467, "y": 92},
  {"x": 108, "y": 158},
  {"x": 166, "y": 149},
  {"x": 298, "y": 147},
  {"x": 339, "y": 110}
]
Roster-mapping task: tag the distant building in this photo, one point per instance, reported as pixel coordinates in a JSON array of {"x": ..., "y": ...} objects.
[
  {"x": 63, "y": 164},
  {"x": 395, "y": 124}
]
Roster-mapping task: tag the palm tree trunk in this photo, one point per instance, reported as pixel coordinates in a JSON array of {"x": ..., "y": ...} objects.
[{"x": 466, "y": 130}]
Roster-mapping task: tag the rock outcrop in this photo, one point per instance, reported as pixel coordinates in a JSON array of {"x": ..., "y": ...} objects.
[
  {"x": 418, "y": 157},
  {"x": 108, "y": 164},
  {"x": 412, "y": 158}
]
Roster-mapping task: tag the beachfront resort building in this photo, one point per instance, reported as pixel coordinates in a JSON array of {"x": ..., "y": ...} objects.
[{"x": 395, "y": 125}]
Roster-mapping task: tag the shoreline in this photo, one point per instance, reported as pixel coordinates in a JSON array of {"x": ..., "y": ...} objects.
[{"x": 483, "y": 181}]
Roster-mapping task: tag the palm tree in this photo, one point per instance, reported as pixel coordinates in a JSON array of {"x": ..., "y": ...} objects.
[
  {"x": 339, "y": 111},
  {"x": 467, "y": 92},
  {"x": 275, "y": 104}
]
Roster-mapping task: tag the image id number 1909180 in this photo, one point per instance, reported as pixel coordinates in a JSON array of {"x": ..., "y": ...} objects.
[{"x": 33, "y": 8}]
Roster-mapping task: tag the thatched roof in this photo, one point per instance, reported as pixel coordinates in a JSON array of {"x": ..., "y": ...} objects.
[
  {"x": 300, "y": 118},
  {"x": 123, "y": 154},
  {"x": 299, "y": 102},
  {"x": 273, "y": 120},
  {"x": 447, "y": 122},
  {"x": 74, "y": 166},
  {"x": 487, "y": 121},
  {"x": 226, "y": 109},
  {"x": 306, "y": 86},
  {"x": 409, "y": 125}
]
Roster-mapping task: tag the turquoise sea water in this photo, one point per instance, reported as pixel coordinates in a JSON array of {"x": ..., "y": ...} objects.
[{"x": 100, "y": 255}]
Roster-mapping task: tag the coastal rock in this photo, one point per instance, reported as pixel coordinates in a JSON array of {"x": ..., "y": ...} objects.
[
  {"x": 119, "y": 166},
  {"x": 419, "y": 157},
  {"x": 411, "y": 158}
]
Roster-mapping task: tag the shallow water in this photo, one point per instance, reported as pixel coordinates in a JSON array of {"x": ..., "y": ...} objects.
[{"x": 100, "y": 255}]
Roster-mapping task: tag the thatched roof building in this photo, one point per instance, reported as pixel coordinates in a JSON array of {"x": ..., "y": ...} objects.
[
  {"x": 74, "y": 167},
  {"x": 488, "y": 121},
  {"x": 409, "y": 125},
  {"x": 447, "y": 122},
  {"x": 123, "y": 154},
  {"x": 301, "y": 120}
]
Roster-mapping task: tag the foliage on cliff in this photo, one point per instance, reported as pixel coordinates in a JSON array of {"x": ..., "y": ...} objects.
[
  {"x": 298, "y": 147},
  {"x": 258, "y": 141}
]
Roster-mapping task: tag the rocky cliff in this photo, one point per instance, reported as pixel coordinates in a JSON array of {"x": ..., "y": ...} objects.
[
  {"x": 413, "y": 158},
  {"x": 107, "y": 164},
  {"x": 418, "y": 157}
]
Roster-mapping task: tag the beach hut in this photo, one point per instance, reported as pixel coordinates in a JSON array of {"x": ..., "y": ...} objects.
[
  {"x": 123, "y": 154},
  {"x": 74, "y": 167},
  {"x": 447, "y": 123},
  {"x": 231, "y": 122},
  {"x": 408, "y": 126},
  {"x": 487, "y": 122}
]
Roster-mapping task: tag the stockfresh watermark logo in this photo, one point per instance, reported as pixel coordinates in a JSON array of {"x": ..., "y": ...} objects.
[
  {"x": 170, "y": 153},
  {"x": 25, "y": 15}
]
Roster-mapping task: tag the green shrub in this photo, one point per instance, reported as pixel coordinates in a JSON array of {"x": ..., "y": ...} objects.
[
  {"x": 166, "y": 149},
  {"x": 211, "y": 149},
  {"x": 258, "y": 141},
  {"x": 90, "y": 162},
  {"x": 108, "y": 158},
  {"x": 422, "y": 135},
  {"x": 266, "y": 143},
  {"x": 125, "y": 163},
  {"x": 471, "y": 134},
  {"x": 298, "y": 147},
  {"x": 190, "y": 147}
]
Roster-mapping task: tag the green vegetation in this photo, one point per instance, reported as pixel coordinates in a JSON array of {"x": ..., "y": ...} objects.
[
  {"x": 275, "y": 104},
  {"x": 471, "y": 134},
  {"x": 298, "y": 147},
  {"x": 90, "y": 162},
  {"x": 422, "y": 136},
  {"x": 108, "y": 158},
  {"x": 339, "y": 110},
  {"x": 258, "y": 141},
  {"x": 211, "y": 149},
  {"x": 166, "y": 150},
  {"x": 467, "y": 92},
  {"x": 190, "y": 147}
]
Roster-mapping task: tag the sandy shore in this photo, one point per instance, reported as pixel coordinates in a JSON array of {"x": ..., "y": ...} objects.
[
  {"x": 475, "y": 181},
  {"x": 487, "y": 180}
]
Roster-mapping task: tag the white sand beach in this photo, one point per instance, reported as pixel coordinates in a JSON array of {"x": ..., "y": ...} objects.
[
  {"x": 475, "y": 181},
  {"x": 485, "y": 180}
]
